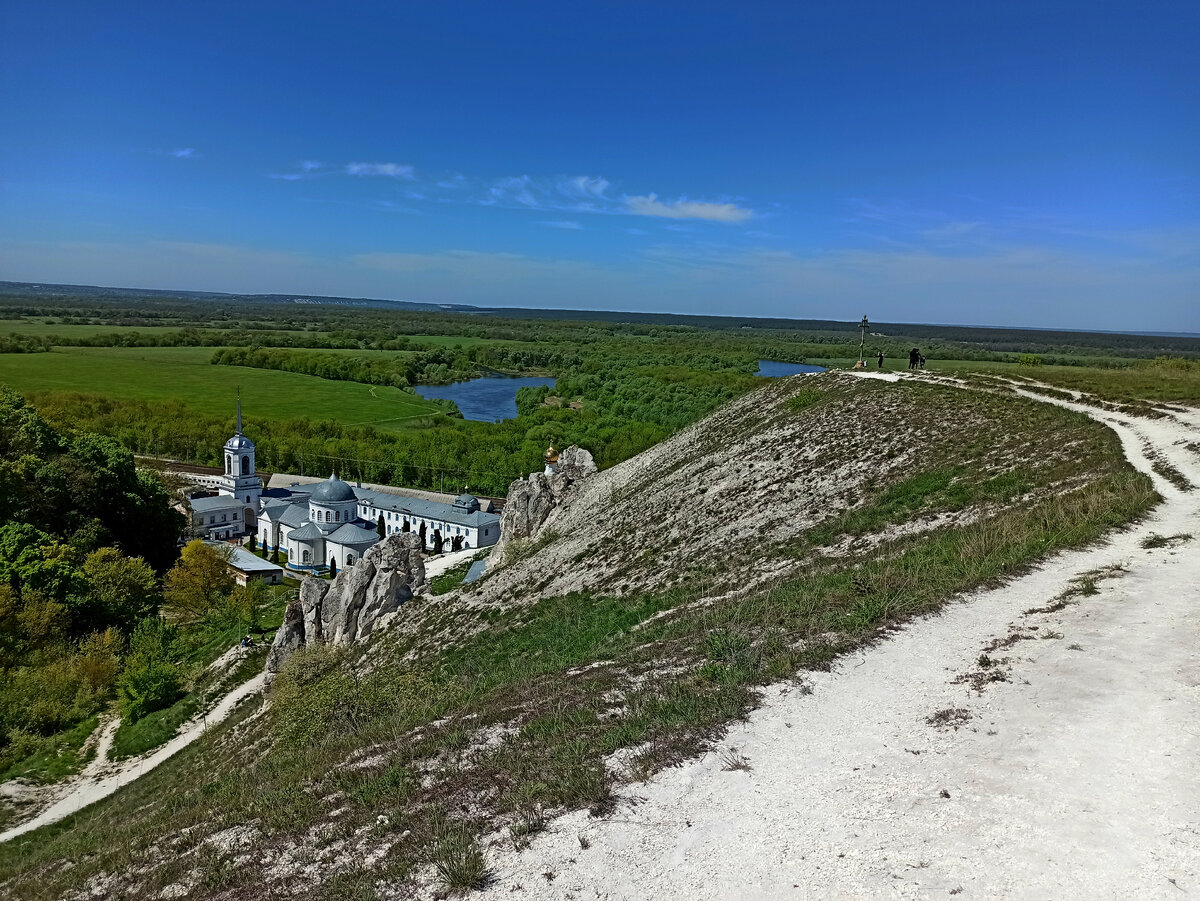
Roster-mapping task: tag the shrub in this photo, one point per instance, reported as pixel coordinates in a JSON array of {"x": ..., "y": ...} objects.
[
  {"x": 803, "y": 399},
  {"x": 148, "y": 685},
  {"x": 320, "y": 692},
  {"x": 151, "y": 680},
  {"x": 457, "y": 858}
]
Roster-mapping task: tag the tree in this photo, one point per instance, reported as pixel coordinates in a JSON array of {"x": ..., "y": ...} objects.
[
  {"x": 123, "y": 590},
  {"x": 150, "y": 680},
  {"x": 437, "y": 541},
  {"x": 252, "y": 543},
  {"x": 381, "y": 528},
  {"x": 275, "y": 554},
  {"x": 31, "y": 559},
  {"x": 198, "y": 582},
  {"x": 245, "y": 601},
  {"x": 421, "y": 532}
]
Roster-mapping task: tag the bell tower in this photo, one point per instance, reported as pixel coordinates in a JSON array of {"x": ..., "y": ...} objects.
[{"x": 240, "y": 479}]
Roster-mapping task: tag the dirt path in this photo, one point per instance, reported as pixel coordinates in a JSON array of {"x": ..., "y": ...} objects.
[
  {"x": 102, "y": 777},
  {"x": 1075, "y": 778}
]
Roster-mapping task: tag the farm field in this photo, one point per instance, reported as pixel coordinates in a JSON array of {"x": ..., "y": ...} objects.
[
  {"x": 185, "y": 374},
  {"x": 41, "y": 328}
]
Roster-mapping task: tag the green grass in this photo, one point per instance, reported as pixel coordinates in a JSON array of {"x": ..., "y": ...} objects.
[
  {"x": 1152, "y": 381},
  {"x": 184, "y": 374},
  {"x": 56, "y": 756},
  {"x": 202, "y": 644},
  {"x": 153, "y": 729},
  {"x": 450, "y": 579},
  {"x": 40, "y": 327}
]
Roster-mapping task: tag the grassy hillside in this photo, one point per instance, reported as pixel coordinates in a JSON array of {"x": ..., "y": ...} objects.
[{"x": 797, "y": 522}]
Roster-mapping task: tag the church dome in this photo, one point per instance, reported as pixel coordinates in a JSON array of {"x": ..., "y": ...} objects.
[
  {"x": 332, "y": 491},
  {"x": 239, "y": 443}
]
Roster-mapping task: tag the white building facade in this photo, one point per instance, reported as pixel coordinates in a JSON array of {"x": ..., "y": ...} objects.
[{"x": 330, "y": 524}]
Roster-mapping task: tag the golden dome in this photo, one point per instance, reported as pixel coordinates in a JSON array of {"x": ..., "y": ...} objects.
[{"x": 551, "y": 454}]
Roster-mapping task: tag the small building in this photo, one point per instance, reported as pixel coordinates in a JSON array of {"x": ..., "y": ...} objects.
[
  {"x": 246, "y": 566},
  {"x": 216, "y": 518}
]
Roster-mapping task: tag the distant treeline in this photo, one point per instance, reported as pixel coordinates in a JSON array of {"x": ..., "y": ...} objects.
[
  {"x": 24, "y": 344},
  {"x": 430, "y": 367},
  {"x": 376, "y": 321}
]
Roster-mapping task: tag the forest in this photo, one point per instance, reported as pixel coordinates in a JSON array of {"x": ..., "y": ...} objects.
[{"x": 89, "y": 563}]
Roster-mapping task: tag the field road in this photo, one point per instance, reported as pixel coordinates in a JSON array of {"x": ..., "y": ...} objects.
[{"x": 1075, "y": 778}]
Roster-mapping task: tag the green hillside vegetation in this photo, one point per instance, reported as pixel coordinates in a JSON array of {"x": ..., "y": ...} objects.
[
  {"x": 408, "y": 733},
  {"x": 87, "y": 544}
]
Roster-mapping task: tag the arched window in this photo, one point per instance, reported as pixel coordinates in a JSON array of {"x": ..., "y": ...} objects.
[
  {"x": 245, "y": 466},
  {"x": 228, "y": 464},
  {"x": 337, "y": 515},
  {"x": 306, "y": 556},
  {"x": 349, "y": 559}
]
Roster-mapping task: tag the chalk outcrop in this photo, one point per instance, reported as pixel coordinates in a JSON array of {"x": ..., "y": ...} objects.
[
  {"x": 347, "y": 609},
  {"x": 532, "y": 502}
]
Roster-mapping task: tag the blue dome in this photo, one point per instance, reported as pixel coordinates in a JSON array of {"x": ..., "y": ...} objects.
[{"x": 333, "y": 490}]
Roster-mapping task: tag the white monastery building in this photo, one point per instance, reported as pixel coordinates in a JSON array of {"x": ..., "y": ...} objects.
[{"x": 330, "y": 523}]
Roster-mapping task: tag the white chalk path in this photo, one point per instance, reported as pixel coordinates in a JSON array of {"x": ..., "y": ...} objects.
[
  {"x": 1076, "y": 779},
  {"x": 102, "y": 777},
  {"x": 439, "y": 565}
]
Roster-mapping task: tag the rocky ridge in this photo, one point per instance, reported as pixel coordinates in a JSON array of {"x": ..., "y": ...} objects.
[
  {"x": 348, "y": 609},
  {"x": 532, "y": 502}
]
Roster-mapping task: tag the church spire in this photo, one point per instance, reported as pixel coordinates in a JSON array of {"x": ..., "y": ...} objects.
[{"x": 239, "y": 421}]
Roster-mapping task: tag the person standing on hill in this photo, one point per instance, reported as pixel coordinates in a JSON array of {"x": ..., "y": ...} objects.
[
  {"x": 881, "y": 359},
  {"x": 913, "y": 356}
]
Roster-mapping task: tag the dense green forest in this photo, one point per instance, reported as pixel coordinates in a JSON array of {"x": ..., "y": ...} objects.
[{"x": 88, "y": 562}]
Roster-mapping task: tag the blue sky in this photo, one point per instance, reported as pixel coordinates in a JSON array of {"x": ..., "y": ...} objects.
[{"x": 1009, "y": 164}]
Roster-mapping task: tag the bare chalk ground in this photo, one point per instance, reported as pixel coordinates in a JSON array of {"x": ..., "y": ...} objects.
[{"x": 1079, "y": 777}]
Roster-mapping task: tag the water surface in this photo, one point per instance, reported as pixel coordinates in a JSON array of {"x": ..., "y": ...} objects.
[
  {"x": 774, "y": 369},
  {"x": 489, "y": 398}
]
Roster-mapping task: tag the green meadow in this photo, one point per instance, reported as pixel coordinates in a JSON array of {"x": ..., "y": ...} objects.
[{"x": 185, "y": 374}]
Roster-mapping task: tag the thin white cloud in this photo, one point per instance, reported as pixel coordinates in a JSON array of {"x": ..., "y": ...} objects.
[
  {"x": 563, "y": 223},
  {"x": 286, "y": 176},
  {"x": 585, "y": 186},
  {"x": 389, "y": 170},
  {"x": 183, "y": 153},
  {"x": 516, "y": 190},
  {"x": 311, "y": 165},
  {"x": 650, "y": 205}
]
